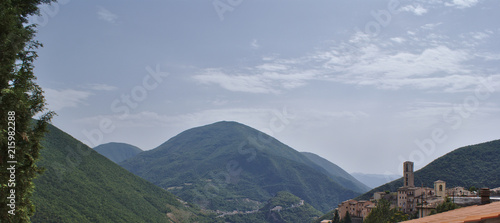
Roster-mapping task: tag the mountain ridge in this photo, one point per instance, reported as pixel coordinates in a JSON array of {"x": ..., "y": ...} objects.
[
  {"x": 117, "y": 152},
  {"x": 474, "y": 165},
  {"x": 230, "y": 161},
  {"x": 80, "y": 185}
]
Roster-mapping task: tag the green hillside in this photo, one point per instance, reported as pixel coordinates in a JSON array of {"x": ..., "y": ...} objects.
[
  {"x": 338, "y": 174},
  {"x": 228, "y": 166},
  {"x": 117, "y": 152},
  {"x": 476, "y": 165},
  {"x": 282, "y": 208},
  {"x": 80, "y": 185}
]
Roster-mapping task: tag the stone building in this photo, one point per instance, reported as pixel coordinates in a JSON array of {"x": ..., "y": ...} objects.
[
  {"x": 409, "y": 196},
  {"x": 355, "y": 208},
  {"x": 458, "y": 192},
  {"x": 440, "y": 188}
]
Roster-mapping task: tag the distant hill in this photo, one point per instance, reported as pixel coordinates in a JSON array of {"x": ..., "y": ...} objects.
[
  {"x": 374, "y": 180},
  {"x": 228, "y": 166},
  {"x": 80, "y": 185},
  {"x": 284, "y": 207},
  {"x": 338, "y": 174},
  {"x": 117, "y": 152},
  {"x": 475, "y": 165}
]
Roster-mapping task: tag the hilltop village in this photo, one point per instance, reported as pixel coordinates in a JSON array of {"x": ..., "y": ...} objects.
[{"x": 415, "y": 201}]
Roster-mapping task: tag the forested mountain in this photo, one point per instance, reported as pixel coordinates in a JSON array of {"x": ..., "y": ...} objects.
[
  {"x": 338, "y": 174},
  {"x": 228, "y": 166},
  {"x": 80, "y": 185},
  {"x": 117, "y": 152},
  {"x": 475, "y": 165},
  {"x": 284, "y": 207}
]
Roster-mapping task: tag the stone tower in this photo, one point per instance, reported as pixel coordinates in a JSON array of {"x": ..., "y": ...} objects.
[
  {"x": 440, "y": 188},
  {"x": 408, "y": 174}
]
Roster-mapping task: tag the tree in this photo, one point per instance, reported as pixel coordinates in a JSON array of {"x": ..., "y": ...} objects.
[
  {"x": 384, "y": 213},
  {"x": 447, "y": 205},
  {"x": 21, "y": 99},
  {"x": 336, "y": 218},
  {"x": 472, "y": 189},
  {"x": 347, "y": 218}
]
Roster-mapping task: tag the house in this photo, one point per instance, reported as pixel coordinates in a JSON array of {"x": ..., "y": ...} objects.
[
  {"x": 378, "y": 195},
  {"x": 458, "y": 192},
  {"x": 355, "y": 208}
]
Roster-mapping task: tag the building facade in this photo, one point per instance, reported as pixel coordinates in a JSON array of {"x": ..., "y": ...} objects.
[
  {"x": 355, "y": 208},
  {"x": 410, "y": 198}
]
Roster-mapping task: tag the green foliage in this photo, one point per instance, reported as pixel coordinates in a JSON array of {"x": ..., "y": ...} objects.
[
  {"x": 347, "y": 218},
  {"x": 20, "y": 100},
  {"x": 80, "y": 185},
  {"x": 292, "y": 211},
  {"x": 222, "y": 165},
  {"x": 472, "y": 189},
  {"x": 384, "y": 213},
  {"x": 476, "y": 165},
  {"x": 331, "y": 215},
  {"x": 117, "y": 152},
  {"x": 336, "y": 217},
  {"x": 447, "y": 205}
]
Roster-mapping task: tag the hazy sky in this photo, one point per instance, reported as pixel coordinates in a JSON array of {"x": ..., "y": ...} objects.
[{"x": 365, "y": 84}]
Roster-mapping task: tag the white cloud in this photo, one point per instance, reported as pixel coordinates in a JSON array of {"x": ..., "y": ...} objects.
[
  {"x": 417, "y": 10},
  {"x": 238, "y": 83},
  {"x": 430, "y": 26},
  {"x": 59, "y": 99},
  {"x": 106, "y": 15},
  {"x": 254, "y": 44},
  {"x": 102, "y": 87},
  {"x": 264, "y": 78},
  {"x": 398, "y": 39},
  {"x": 405, "y": 64},
  {"x": 480, "y": 35},
  {"x": 259, "y": 118},
  {"x": 428, "y": 62},
  {"x": 462, "y": 3}
]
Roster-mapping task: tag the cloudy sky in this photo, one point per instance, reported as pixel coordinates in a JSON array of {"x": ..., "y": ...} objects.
[{"x": 366, "y": 84}]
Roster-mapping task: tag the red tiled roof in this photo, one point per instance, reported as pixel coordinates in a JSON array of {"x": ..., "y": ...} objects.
[{"x": 464, "y": 215}]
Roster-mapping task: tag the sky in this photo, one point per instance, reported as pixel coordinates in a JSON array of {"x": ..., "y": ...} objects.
[{"x": 364, "y": 84}]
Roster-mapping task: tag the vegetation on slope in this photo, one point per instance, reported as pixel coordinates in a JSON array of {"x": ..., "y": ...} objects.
[
  {"x": 80, "y": 185},
  {"x": 475, "y": 165},
  {"x": 224, "y": 165},
  {"x": 282, "y": 208},
  {"x": 117, "y": 152},
  {"x": 21, "y": 99}
]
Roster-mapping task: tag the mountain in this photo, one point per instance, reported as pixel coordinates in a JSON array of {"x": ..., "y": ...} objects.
[
  {"x": 284, "y": 207},
  {"x": 80, "y": 185},
  {"x": 475, "y": 165},
  {"x": 229, "y": 166},
  {"x": 374, "y": 180},
  {"x": 117, "y": 152},
  {"x": 338, "y": 174}
]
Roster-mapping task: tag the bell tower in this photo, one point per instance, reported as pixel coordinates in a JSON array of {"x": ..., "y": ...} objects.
[{"x": 408, "y": 174}]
